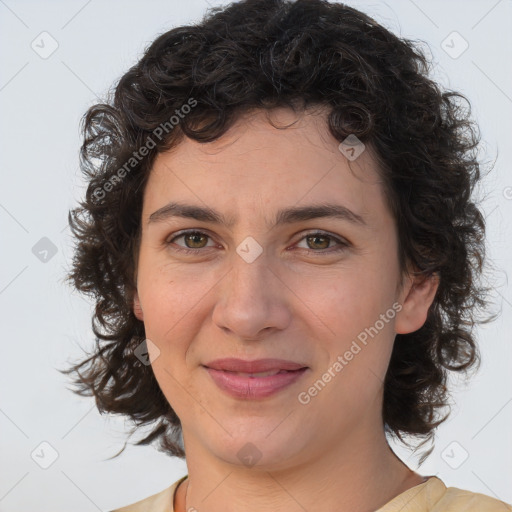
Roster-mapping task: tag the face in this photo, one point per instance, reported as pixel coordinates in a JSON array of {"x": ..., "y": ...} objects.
[{"x": 272, "y": 277}]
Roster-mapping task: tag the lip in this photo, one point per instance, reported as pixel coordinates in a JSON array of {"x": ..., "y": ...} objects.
[
  {"x": 253, "y": 388},
  {"x": 232, "y": 364}
]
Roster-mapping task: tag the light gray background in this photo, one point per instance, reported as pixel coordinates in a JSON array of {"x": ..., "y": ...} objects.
[{"x": 44, "y": 321}]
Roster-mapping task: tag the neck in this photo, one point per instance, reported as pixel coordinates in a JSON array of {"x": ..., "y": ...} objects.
[{"x": 360, "y": 474}]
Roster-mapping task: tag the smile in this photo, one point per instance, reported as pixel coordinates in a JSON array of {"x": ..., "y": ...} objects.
[{"x": 253, "y": 386}]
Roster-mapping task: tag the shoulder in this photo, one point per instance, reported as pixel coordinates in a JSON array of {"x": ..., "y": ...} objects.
[
  {"x": 434, "y": 496},
  {"x": 160, "y": 502},
  {"x": 455, "y": 499}
]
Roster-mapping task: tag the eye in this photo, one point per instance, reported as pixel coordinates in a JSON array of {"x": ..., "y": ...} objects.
[
  {"x": 319, "y": 242},
  {"x": 194, "y": 240},
  {"x": 316, "y": 242}
]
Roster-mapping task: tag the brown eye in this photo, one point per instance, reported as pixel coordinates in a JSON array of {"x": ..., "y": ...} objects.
[
  {"x": 318, "y": 241},
  {"x": 195, "y": 240}
]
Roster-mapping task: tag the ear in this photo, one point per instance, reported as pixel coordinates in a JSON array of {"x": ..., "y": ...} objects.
[
  {"x": 417, "y": 296},
  {"x": 137, "y": 308}
]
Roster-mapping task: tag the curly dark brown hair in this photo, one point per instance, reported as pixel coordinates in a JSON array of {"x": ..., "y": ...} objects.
[{"x": 261, "y": 54}]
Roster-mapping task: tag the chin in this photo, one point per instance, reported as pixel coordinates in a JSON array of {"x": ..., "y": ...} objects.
[{"x": 256, "y": 449}]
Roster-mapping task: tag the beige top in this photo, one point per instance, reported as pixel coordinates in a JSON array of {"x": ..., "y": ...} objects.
[{"x": 430, "y": 496}]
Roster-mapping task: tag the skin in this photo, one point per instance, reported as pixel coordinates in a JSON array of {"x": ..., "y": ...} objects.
[{"x": 300, "y": 300}]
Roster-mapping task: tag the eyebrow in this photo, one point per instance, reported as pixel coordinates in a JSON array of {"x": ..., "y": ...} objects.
[{"x": 284, "y": 216}]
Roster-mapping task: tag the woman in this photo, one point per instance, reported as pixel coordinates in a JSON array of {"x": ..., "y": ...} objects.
[{"x": 280, "y": 236}]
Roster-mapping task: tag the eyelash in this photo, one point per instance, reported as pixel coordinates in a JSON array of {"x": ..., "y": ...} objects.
[{"x": 342, "y": 245}]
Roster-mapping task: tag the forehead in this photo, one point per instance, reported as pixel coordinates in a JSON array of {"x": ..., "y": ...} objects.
[{"x": 263, "y": 163}]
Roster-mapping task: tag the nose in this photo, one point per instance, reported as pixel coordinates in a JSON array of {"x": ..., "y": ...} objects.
[{"x": 252, "y": 300}]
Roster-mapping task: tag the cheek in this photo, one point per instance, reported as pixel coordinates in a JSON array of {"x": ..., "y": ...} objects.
[
  {"x": 362, "y": 319},
  {"x": 171, "y": 298},
  {"x": 357, "y": 306},
  {"x": 349, "y": 301}
]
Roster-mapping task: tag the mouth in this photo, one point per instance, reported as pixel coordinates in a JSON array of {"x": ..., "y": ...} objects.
[
  {"x": 260, "y": 374},
  {"x": 255, "y": 383},
  {"x": 254, "y": 367}
]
